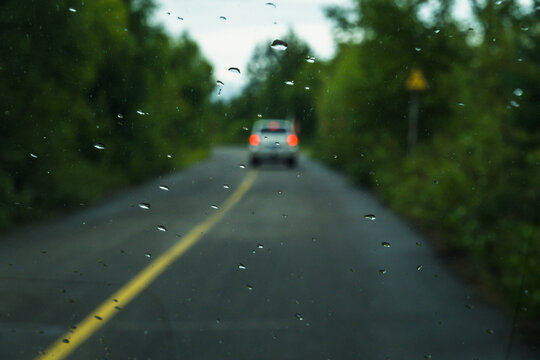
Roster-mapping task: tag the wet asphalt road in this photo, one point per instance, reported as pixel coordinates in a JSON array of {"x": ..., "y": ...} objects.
[{"x": 317, "y": 283}]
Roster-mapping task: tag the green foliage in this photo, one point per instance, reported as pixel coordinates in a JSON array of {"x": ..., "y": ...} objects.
[
  {"x": 268, "y": 94},
  {"x": 76, "y": 74},
  {"x": 474, "y": 178}
]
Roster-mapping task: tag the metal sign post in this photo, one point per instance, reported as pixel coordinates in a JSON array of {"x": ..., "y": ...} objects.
[{"x": 415, "y": 83}]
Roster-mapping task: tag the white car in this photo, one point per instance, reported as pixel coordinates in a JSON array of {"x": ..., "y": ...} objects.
[{"x": 273, "y": 140}]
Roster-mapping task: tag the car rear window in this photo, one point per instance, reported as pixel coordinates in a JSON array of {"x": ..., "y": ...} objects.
[{"x": 267, "y": 130}]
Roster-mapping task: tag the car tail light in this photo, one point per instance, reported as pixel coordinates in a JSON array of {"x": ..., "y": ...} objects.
[
  {"x": 292, "y": 140},
  {"x": 254, "y": 140}
]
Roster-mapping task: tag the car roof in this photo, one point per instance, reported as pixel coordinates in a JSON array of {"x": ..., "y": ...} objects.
[{"x": 263, "y": 124}]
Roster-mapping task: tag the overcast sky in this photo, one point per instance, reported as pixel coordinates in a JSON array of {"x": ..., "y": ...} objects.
[{"x": 230, "y": 43}]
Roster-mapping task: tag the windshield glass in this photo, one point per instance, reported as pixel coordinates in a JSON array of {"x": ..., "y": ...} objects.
[{"x": 325, "y": 179}]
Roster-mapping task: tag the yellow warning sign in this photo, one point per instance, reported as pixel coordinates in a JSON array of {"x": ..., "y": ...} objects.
[{"x": 416, "y": 81}]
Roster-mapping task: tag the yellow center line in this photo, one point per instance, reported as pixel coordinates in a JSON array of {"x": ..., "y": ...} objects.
[{"x": 71, "y": 340}]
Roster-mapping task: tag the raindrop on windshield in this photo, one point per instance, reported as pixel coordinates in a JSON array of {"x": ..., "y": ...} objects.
[
  {"x": 226, "y": 186},
  {"x": 289, "y": 82},
  {"x": 242, "y": 166},
  {"x": 169, "y": 156},
  {"x": 161, "y": 228},
  {"x": 214, "y": 207},
  {"x": 242, "y": 266},
  {"x": 385, "y": 244},
  {"x": 514, "y": 103},
  {"x": 245, "y": 128},
  {"x": 418, "y": 48},
  {"x": 148, "y": 255},
  {"x": 260, "y": 246},
  {"x": 382, "y": 271},
  {"x": 307, "y": 87},
  {"x": 249, "y": 287},
  {"x": 370, "y": 217},
  {"x": 437, "y": 31},
  {"x": 120, "y": 116},
  {"x": 310, "y": 59},
  {"x": 234, "y": 70},
  {"x": 144, "y": 206},
  {"x": 140, "y": 112},
  {"x": 164, "y": 187},
  {"x": 259, "y": 115},
  {"x": 65, "y": 341},
  {"x": 179, "y": 18},
  {"x": 518, "y": 92},
  {"x": 419, "y": 267},
  {"x": 299, "y": 316},
  {"x": 72, "y": 10},
  {"x": 220, "y": 83},
  {"x": 271, "y": 4},
  {"x": 33, "y": 155},
  {"x": 99, "y": 146},
  {"x": 461, "y": 103},
  {"x": 98, "y": 317},
  {"x": 279, "y": 45},
  {"x": 223, "y": 18},
  {"x": 427, "y": 356},
  {"x": 490, "y": 331},
  {"x": 469, "y": 306}
]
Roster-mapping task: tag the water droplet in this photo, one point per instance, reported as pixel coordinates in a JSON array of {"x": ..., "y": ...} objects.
[
  {"x": 436, "y": 31},
  {"x": 271, "y": 4},
  {"x": 72, "y": 10},
  {"x": 242, "y": 166},
  {"x": 242, "y": 266},
  {"x": 220, "y": 83},
  {"x": 260, "y": 246},
  {"x": 234, "y": 70},
  {"x": 214, "y": 207},
  {"x": 299, "y": 316},
  {"x": 370, "y": 217},
  {"x": 226, "y": 186},
  {"x": 249, "y": 287},
  {"x": 289, "y": 82},
  {"x": 385, "y": 244},
  {"x": 514, "y": 103},
  {"x": 120, "y": 116},
  {"x": 169, "y": 156},
  {"x": 144, "y": 206},
  {"x": 284, "y": 215},
  {"x": 418, "y": 49},
  {"x": 461, "y": 103},
  {"x": 179, "y": 18},
  {"x": 140, "y": 112},
  {"x": 382, "y": 271},
  {"x": 436, "y": 182},
  {"x": 418, "y": 244},
  {"x": 490, "y": 331},
  {"x": 164, "y": 187},
  {"x": 310, "y": 59},
  {"x": 245, "y": 128},
  {"x": 519, "y": 59},
  {"x": 427, "y": 356},
  {"x": 277, "y": 143},
  {"x": 222, "y": 18},
  {"x": 524, "y": 27},
  {"x": 148, "y": 255},
  {"x": 65, "y": 341},
  {"x": 518, "y": 92},
  {"x": 279, "y": 45},
  {"x": 259, "y": 115},
  {"x": 33, "y": 155},
  {"x": 161, "y": 228},
  {"x": 469, "y": 306},
  {"x": 419, "y": 267},
  {"x": 99, "y": 146},
  {"x": 98, "y": 317}
]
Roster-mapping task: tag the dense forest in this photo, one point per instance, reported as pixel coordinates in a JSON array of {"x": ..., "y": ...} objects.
[
  {"x": 89, "y": 104},
  {"x": 94, "y": 97}
]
